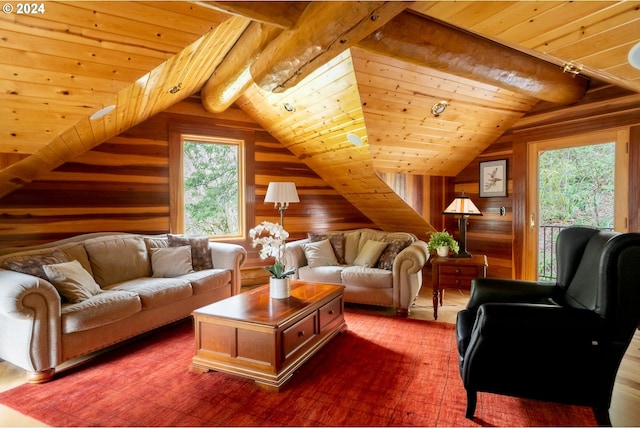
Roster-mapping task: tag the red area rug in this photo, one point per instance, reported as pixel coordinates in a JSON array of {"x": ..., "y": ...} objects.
[{"x": 383, "y": 371}]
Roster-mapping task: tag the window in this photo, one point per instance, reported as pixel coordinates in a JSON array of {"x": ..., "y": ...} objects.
[{"x": 212, "y": 186}]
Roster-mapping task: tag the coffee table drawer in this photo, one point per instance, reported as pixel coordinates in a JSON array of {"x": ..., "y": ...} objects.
[
  {"x": 330, "y": 312},
  {"x": 299, "y": 334}
]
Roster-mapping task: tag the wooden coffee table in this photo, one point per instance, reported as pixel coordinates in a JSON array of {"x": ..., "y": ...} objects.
[{"x": 265, "y": 339}]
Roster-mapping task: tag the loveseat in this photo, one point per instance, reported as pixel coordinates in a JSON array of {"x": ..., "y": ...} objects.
[
  {"x": 376, "y": 267},
  {"x": 68, "y": 298}
]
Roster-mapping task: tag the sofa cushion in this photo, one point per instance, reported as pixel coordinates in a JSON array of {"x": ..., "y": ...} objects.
[
  {"x": 76, "y": 251},
  {"x": 319, "y": 253},
  {"x": 31, "y": 262},
  {"x": 370, "y": 253},
  {"x": 101, "y": 309},
  {"x": 200, "y": 251},
  {"x": 337, "y": 243},
  {"x": 207, "y": 280},
  {"x": 156, "y": 292},
  {"x": 396, "y": 245},
  {"x": 351, "y": 241},
  {"x": 118, "y": 258},
  {"x": 171, "y": 262},
  {"x": 72, "y": 281},
  {"x": 329, "y": 274},
  {"x": 367, "y": 277}
]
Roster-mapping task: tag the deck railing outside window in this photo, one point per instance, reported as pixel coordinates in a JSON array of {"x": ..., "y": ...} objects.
[{"x": 547, "y": 251}]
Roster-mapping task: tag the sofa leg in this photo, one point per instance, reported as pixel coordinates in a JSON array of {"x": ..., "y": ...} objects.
[
  {"x": 40, "y": 376},
  {"x": 472, "y": 400},
  {"x": 402, "y": 312}
]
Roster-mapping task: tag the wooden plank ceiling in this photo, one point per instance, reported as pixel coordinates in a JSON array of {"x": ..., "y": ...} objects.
[{"x": 372, "y": 69}]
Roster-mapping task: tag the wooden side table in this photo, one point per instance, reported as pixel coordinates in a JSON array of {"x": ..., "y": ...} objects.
[{"x": 452, "y": 272}]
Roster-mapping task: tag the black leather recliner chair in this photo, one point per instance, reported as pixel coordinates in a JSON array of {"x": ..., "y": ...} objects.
[{"x": 559, "y": 342}]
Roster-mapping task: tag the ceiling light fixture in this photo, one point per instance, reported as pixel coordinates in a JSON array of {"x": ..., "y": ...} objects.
[
  {"x": 634, "y": 56},
  {"x": 439, "y": 108},
  {"x": 102, "y": 112},
  {"x": 354, "y": 139},
  {"x": 289, "y": 107}
]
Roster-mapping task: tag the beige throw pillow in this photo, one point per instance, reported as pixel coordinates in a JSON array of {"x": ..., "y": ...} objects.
[
  {"x": 72, "y": 281},
  {"x": 320, "y": 253},
  {"x": 171, "y": 261},
  {"x": 370, "y": 253}
]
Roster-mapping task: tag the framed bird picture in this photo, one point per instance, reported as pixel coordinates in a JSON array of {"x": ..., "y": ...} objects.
[{"x": 493, "y": 178}]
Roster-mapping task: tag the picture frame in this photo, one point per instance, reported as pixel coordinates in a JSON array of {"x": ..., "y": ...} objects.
[{"x": 493, "y": 179}]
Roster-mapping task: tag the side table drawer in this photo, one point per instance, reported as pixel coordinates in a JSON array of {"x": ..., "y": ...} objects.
[
  {"x": 471, "y": 271},
  {"x": 299, "y": 334},
  {"x": 330, "y": 312}
]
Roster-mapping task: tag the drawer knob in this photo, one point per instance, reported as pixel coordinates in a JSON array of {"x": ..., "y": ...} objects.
[
  {"x": 457, "y": 270},
  {"x": 330, "y": 311},
  {"x": 301, "y": 333},
  {"x": 457, "y": 281}
]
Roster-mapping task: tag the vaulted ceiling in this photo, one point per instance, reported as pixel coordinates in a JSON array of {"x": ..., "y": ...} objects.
[{"x": 370, "y": 69}]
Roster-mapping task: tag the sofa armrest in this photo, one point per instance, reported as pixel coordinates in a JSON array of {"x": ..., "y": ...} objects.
[
  {"x": 407, "y": 274},
  {"x": 30, "y": 325},
  {"x": 229, "y": 256},
  {"x": 294, "y": 256}
]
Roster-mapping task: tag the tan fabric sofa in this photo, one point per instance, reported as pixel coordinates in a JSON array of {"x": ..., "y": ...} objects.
[
  {"x": 69, "y": 298},
  {"x": 385, "y": 272}
]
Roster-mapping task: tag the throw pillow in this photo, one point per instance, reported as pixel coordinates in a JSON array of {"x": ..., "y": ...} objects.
[
  {"x": 336, "y": 240},
  {"x": 171, "y": 262},
  {"x": 32, "y": 264},
  {"x": 200, "y": 251},
  {"x": 319, "y": 254},
  {"x": 393, "y": 249},
  {"x": 72, "y": 281},
  {"x": 370, "y": 253}
]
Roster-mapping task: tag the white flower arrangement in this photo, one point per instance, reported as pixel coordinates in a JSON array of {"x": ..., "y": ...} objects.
[{"x": 273, "y": 245}]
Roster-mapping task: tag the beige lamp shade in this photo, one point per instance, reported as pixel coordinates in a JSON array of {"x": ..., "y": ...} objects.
[
  {"x": 462, "y": 205},
  {"x": 281, "y": 193}
]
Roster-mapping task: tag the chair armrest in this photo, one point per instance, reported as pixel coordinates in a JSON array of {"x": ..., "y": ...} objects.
[
  {"x": 497, "y": 290},
  {"x": 526, "y": 320}
]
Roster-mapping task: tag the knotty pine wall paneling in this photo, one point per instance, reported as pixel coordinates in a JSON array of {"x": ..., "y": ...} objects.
[{"x": 123, "y": 185}]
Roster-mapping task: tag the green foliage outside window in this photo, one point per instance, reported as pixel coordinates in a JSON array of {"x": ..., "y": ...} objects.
[
  {"x": 211, "y": 188},
  {"x": 577, "y": 186}
]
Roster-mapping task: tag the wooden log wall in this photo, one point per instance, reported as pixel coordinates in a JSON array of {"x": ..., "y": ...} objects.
[
  {"x": 501, "y": 237},
  {"x": 123, "y": 185}
]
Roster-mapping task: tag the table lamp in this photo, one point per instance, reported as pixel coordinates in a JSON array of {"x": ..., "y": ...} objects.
[
  {"x": 463, "y": 207},
  {"x": 281, "y": 194}
]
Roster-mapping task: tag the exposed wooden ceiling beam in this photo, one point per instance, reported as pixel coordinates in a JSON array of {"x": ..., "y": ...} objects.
[
  {"x": 282, "y": 14},
  {"x": 233, "y": 76},
  {"x": 323, "y": 31},
  {"x": 425, "y": 42}
]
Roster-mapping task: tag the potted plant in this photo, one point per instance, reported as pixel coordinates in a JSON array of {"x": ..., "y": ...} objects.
[
  {"x": 442, "y": 243},
  {"x": 272, "y": 237}
]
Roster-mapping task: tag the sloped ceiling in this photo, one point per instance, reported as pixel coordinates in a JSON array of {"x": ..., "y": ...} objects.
[{"x": 373, "y": 69}]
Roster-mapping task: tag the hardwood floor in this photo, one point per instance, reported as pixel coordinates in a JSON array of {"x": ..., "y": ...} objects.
[{"x": 626, "y": 393}]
